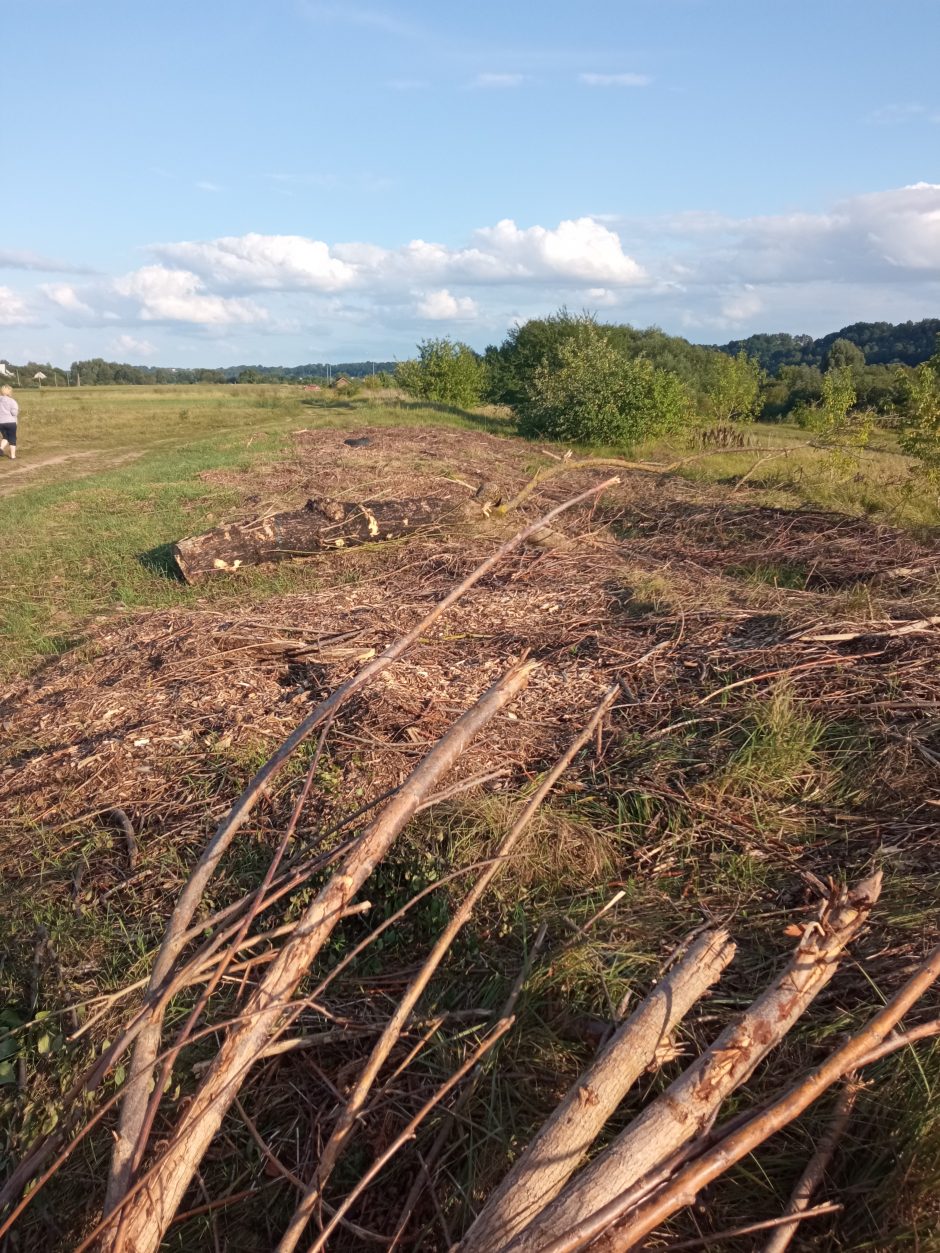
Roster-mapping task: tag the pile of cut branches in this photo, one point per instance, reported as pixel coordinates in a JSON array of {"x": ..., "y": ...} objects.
[{"x": 231, "y": 988}]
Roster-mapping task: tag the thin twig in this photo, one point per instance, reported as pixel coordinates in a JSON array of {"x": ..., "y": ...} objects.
[
  {"x": 816, "y": 1168},
  {"x": 734, "y": 1233}
]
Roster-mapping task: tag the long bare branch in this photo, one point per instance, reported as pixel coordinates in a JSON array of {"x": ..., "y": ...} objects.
[
  {"x": 408, "y": 1131},
  {"x": 393, "y": 1029},
  {"x": 732, "y": 1148},
  {"x": 816, "y": 1168},
  {"x": 149, "y": 1209},
  {"x": 136, "y": 1093}
]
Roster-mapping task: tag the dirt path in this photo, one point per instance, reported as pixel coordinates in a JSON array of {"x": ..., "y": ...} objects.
[{"x": 15, "y": 475}]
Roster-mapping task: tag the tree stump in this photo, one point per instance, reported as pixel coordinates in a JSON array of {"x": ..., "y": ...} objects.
[{"x": 321, "y": 526}]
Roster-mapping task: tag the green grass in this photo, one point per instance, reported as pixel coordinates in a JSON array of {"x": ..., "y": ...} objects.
[{"x": 80, "y": 544}]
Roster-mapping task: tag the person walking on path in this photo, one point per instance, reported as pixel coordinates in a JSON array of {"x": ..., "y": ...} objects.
[{"x": 9, "y": 412}]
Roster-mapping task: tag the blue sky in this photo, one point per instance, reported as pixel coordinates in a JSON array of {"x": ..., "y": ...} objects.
[{"x": 292, "y": 180}]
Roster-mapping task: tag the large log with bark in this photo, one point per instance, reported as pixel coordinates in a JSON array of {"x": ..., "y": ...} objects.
[{"x": 321, "y": 526}]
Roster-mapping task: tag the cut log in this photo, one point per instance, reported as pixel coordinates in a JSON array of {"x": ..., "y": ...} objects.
[{"x": 321, "y": 526}]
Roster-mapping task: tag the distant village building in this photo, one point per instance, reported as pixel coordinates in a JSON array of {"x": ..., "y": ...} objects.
[
  {"x": 342, "y": 381},
  {"x": 312, "y": 387}
]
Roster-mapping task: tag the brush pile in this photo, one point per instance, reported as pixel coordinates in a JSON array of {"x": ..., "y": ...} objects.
[{"x": 455, "y": 968}]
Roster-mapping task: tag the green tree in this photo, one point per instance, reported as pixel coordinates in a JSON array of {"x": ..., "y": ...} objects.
[
  {"x": 920, "y": 435},
  {"x": 844, "y": 355},
  {"x": 838, "y": 397},
  {"x": 445, "y": 371},
  {"x": 594, "y": 395},
  {"x": 525, "y": 348},
  {"x": 733, "y": 387},
  {"x": 840, "y": 425}
]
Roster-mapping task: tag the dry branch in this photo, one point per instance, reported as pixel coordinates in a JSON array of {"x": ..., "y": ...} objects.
[
  {"x": 408, "y": 1131},
  {"x": 134, "y": 1106},
  {"x": 883, "y": 630},
  {"x": 734, "y": 1233},
  {"x": 149, "y": 1209},
  {"x": 691, "y": 1103},
  {"x": 446, "y": 1128},
  {"x": 386, "y": 1042},
  {"x": 561, "y": 1145},
  {"x": 684, "y": 1188},
  {"x": 816, "y": 1168}
]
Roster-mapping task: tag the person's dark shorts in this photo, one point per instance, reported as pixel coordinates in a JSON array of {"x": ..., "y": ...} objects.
[{"x": 8, "y": 432}]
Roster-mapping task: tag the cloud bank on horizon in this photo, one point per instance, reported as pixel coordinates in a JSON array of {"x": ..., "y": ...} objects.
[{"x": 275, "y": 297}]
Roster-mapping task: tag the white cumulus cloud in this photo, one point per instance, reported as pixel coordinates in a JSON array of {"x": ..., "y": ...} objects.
[
  {"x": 582, "y": 250},
  {"x": 441, "y": 306},
  {"x": 65, "y": 297},
  {"x": 262, "y": 261},
  {"x": 165, "y": 295}
]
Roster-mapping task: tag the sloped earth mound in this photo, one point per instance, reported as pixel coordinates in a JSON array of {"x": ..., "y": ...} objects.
[{"x": 778, "y": 725}]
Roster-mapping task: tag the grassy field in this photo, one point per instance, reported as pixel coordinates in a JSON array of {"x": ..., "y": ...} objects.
[
  {"x": 108, "y": 478},
  {"x": 743, "y": 768}
]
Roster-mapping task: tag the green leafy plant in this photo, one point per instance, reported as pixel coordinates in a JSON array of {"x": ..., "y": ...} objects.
[
  {"x": 733, "y": 387},
  {"x": 920, "y": 436},
  {"x": 445, "y": 371},
  {"x": 596, "y": 396}
]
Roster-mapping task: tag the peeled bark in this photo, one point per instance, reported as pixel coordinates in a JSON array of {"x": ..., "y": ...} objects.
[
  {"x": 690, "y": 1105},
  {"x": 563, "y": 1142},
  {"x": 682, "y": 1190},
  {"x": 321, "y": 526},
  {"x": 149, "y": 1211}
]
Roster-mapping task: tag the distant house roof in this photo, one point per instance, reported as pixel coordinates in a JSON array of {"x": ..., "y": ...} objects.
[{"x": 341, "y": 381}]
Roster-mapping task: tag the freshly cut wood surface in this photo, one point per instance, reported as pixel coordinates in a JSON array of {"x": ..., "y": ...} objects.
[
  {"x": 688, "y": 1107},
  {"x": 321, "y": 526}
]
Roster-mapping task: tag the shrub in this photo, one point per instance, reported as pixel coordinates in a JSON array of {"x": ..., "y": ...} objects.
[
  {"x": 920, "y": 436},
  {"x": 445, "y": 371},
  {"x": 593, "y": 395},
  {"x": 733, "y": 387}
]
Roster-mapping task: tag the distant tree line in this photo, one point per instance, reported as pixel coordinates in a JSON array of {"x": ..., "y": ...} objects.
[
  {"x": 571, "y": 378},
  {"x": 96, "y": 372},
  {"x": 881, "y": 343}
]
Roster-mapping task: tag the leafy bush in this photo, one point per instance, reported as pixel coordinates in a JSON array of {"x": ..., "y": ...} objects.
[
  {"x": 596, "y": 396},
  {"x": 445, "y": 371},
  {"x": 733, "y": 387},
  {"x": 920, "y": 436}
]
